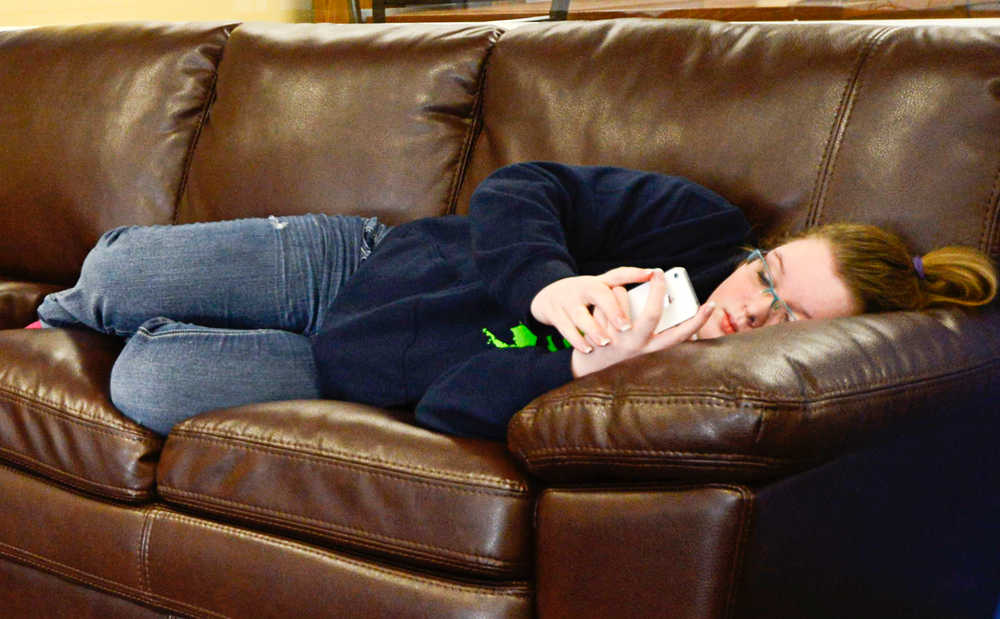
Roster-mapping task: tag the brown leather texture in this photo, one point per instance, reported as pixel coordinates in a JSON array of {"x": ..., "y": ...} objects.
[
  {"x": 755, "y": 405},
  {"x": 236, "y": 572},
  {"x": 358, "y": 477},
  {"x": 26, "y": 592},
  {"x": 886, "y": 165},
  {"x": 642, "y": 552},
  {"x": 56, "y": 418},
  {"x": 18, "y": 301},
  {"x": 305, "y": 117},
  {"x": 199, "y": 568},
  {"x": 695, "y": 99},
  {"x": 76, "y": 537},
  {"x": 797, "y": 125},
  {"x": 87, "y": 148},
  {"x": 628, "y": 492}
]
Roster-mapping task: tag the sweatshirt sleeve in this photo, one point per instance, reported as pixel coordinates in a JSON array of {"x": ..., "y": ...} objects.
[
  {"x": 478, "y": 397},
  {"x": 535, "y": 223}
]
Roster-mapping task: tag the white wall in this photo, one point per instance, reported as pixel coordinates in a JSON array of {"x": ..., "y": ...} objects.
[{"x": 40, "y": 12}]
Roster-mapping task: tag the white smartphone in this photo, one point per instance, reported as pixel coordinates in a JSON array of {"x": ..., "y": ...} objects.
[{"x": 679, "y": 304}]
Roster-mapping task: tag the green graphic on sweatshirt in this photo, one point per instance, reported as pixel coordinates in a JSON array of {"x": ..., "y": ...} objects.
[{"x": 523, "y": 338}]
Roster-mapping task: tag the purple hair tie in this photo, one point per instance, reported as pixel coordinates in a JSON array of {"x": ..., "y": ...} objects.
[{"x": 918, "y": 264}]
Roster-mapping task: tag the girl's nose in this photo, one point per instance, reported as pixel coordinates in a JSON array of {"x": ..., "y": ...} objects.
[{"x": 758, "y": 311}]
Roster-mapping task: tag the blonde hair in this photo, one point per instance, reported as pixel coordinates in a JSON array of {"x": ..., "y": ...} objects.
[{"x": 883, "y": 275}]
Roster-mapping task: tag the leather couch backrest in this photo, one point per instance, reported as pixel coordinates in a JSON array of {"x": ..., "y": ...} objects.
[
  {"x": 798, "y": 124},
  {"x": 96, "y": 123},
  {"x": 338, "y": 119}
]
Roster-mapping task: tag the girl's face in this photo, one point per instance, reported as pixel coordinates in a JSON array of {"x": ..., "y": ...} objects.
[{"x": 804, "y": 278}]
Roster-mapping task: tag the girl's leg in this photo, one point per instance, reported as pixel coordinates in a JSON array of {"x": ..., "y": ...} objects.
[
  {"x": 279, "y": 273},
  {"x": 169, "y": 371}
]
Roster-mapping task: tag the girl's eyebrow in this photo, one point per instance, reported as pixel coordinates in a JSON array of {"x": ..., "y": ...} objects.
[
  {"x": 781, "y": 267},
  {"x": 781, "y": 263}
]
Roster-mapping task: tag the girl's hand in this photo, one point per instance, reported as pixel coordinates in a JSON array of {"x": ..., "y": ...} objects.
[
  {"x": 640, "y": 339},
  {"x": 566, "y": 305}
]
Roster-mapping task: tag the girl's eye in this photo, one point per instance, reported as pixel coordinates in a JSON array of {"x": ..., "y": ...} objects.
[{"x": 764, "y": 281}]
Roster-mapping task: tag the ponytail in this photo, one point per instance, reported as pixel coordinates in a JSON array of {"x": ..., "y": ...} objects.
[
  {"x": 884, "y": 275},
  {"x": 957, "y": 275}
]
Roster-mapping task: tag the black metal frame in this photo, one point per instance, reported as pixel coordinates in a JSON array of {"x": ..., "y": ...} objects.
[{"x": 558, "y": 11}]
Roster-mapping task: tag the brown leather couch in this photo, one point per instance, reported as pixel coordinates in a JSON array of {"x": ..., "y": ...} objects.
[{"x": 843, "y": 468}]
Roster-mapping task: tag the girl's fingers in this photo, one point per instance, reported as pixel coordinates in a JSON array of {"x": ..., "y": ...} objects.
[
  {"x": 621, "y": 295},
  {"x": 686, "y": 329},
  {"x": 650, "y": 314},
  {"x": 603, "y": 298},
  {"x": 626, "y": 275},
  {"x": 585, "y": 322},
  {"x": 569, "y": 331},
  {"x": 601, "y": 318}
]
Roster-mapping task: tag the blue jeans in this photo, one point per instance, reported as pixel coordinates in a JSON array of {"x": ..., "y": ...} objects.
[{"x": 216, "y": 314}]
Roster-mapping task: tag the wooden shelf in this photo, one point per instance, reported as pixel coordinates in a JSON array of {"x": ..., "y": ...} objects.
[{"x": 723, "y": 10}]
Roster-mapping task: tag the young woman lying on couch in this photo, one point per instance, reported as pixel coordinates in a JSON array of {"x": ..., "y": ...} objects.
[{"x": 467, "y": 319}]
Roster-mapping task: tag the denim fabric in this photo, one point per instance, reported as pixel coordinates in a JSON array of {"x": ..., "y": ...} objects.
[
  {"x": 216, "y": 314},
  {"x": 169, "y": 371},
  {"x": 243, "y": 274}
]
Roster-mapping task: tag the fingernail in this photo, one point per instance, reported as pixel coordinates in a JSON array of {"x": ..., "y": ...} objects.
[
  {"x": 625, "y": 327},
  {"x": 588, "y": 350},
  {"x": 604, "y": 341},
  {"x": 711, "y": 304}
]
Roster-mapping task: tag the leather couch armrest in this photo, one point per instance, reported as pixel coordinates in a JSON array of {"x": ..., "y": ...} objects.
[
  {"x": 758, "y": 405},
  {"x": 19, "y": 300},
  {"x": 57, "y": 420}
]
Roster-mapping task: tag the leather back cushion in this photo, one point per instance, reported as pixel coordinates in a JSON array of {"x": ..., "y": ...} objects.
[
  {"x": 346, "y": 119},
  {"x": 97, "y": 122},
  {"x": 798, "y": 124}
]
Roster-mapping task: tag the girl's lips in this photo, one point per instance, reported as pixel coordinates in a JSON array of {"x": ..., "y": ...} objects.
[{"x": 727, "y": 323}]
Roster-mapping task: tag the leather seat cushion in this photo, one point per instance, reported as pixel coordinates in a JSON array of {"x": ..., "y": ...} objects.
[{"x": 358, "y": 477}]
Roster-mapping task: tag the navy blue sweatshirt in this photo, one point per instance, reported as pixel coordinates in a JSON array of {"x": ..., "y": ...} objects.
[{"x": 438, "y": 316}]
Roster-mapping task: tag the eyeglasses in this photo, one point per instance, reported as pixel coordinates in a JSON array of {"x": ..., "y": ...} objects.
[{"x": 767, "y": 280}]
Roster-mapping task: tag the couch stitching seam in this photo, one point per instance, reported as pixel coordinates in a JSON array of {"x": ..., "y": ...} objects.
[
  {"x": 710, "y": 456},
  {"x": 52, "y": 565},
  {"x": 472, "y": 134},
  {"x": 78, "y": 416},
  {"x": 209, "y": 499},
  {"x": 145, "y": 581},
  {"x": 556, "y": 465},
  {"x": 365, "y": 469},
  {"x": 304, "y": 549},
  {"x": 991, "y": 217},
  {"x": 69, "y": 477},
  {"x": 202, "y": 120},
  {"x": 352, "y": 459},
  {"x": 840, "y": 120},
  {"x": 529, "y": 453},
  {"x": 719, "y": 398},
  {"x": 876, "y": 41},
  {"x": 746, "y": 517}
]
